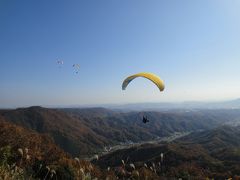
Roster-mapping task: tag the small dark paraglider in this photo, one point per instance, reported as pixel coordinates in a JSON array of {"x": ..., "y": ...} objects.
[
  {"x": 76, "y": 67},
  {"x": 145, "y": 119}
]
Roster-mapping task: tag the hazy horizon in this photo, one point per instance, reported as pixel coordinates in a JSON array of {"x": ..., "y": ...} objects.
[
  {"x": 127, "y": 104},
  {"x": 192, "y": 45}
]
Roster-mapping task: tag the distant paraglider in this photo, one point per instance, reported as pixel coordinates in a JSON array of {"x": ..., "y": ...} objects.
[
  {"x": 152, "y": 77},
  {"x": 60, "y": 63},
  {"x": 76, "y": 67}
]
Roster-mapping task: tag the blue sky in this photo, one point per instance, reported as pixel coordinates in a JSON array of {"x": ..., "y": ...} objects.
[{"x": 192, "y": 45}]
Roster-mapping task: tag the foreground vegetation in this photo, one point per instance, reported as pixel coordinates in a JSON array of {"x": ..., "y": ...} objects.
[{"x": 20, "y": 164}]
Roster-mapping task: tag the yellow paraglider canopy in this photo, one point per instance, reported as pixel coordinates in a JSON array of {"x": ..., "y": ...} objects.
[{"x": 152, "y": 77}]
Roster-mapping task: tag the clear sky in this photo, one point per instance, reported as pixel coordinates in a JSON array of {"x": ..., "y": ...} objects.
[{"x": 194, "y": 46}]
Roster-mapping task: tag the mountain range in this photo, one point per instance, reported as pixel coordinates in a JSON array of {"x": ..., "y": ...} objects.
[
  {"x": 54, "y": 136},
  {"x": 155, "y": 106},
  {"x": 83, "y": 132}
]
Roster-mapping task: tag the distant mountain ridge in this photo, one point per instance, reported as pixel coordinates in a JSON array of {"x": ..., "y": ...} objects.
[
  {"x": 229, "y": 104},
  {"x": 90, "y": 112},
  {"x": 83, "y": 132}
]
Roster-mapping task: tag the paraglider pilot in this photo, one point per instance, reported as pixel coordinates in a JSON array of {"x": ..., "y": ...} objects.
[{"x": 145, "y": 119}]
